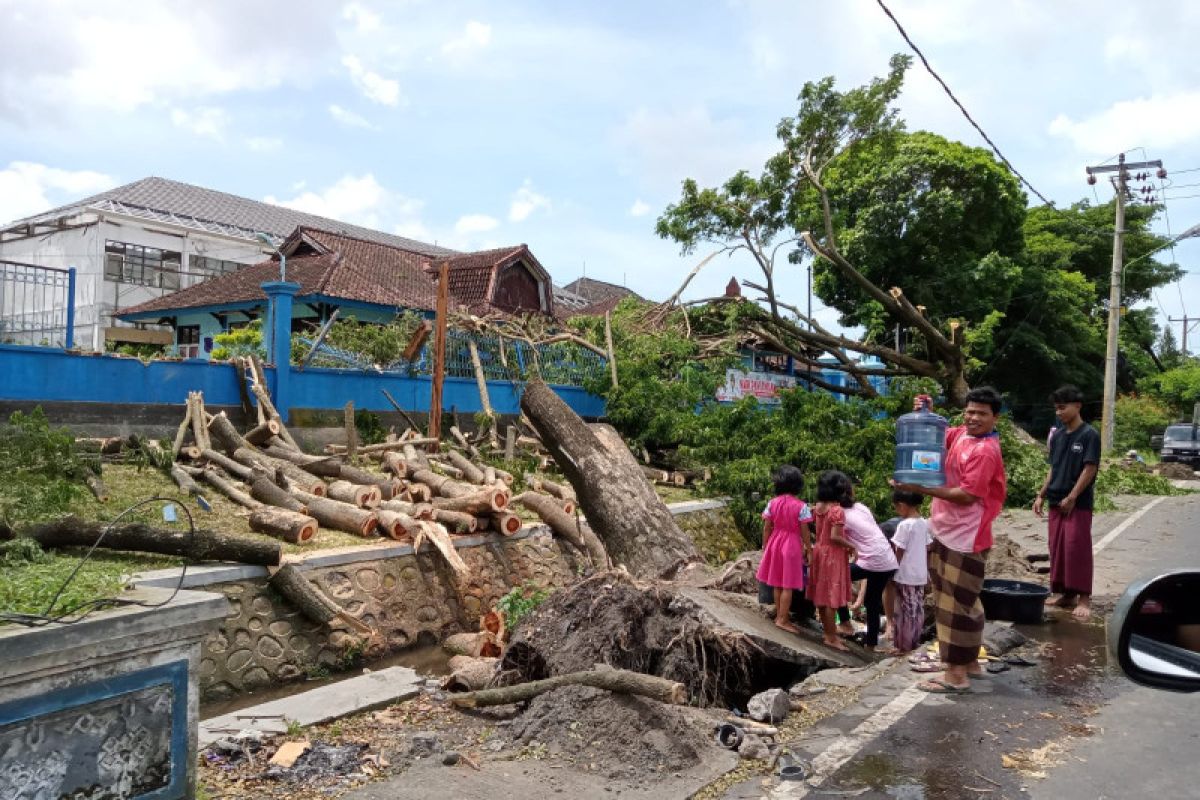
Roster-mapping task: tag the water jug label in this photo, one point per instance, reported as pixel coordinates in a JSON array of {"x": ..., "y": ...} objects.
[{"x": 927, "y": 460}]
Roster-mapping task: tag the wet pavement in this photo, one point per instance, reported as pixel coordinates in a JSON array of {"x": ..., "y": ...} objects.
[{"x": 1071, "y": 726}]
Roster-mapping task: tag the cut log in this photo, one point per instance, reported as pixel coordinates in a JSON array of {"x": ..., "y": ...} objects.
[
  {"x": 457, "y": 521},
  {"x": 226, "y": 436},
  {"x": 339, "y": 516},
  {"x": 265, "y": 491},
  {"x": 261, "y": 434},
  {"x": 155, "y": 453},
  {"x": 314, "y": 465},
  {"x": 203, "y": 545},
  {"x": 289, "y": 526},
  {"x": 351, "y": 430},
  {"x": 226, "y": 463},
  {"x": 181, "y": 433},
  {"x": 550, "y": 510},
  {"x": 484, "y": 500},
  {"x": 471, "y": 449},
  {"x": 619, "y": 681},
  {"x": 397, "y": 524},
  {"x": 395, "y": 463},
  {"x": 414, "y": 510},
  {"x": 655, "y": 475},
  {"x": 505, "y": 523},
  {"x": 184, "y": 481},
  {"x": 300, "y": 479},
  {"x": 192, "y": 452},
  {"x": 199, "y": 428},
  {"x": 472, "y": 645},
  {"x": 440, "y": 538},
  {"x": 353, "y": 493},
  {"x": 442, "y": 468},
  {"x": 226, "y": 487},
  {"x": 508, "y": 478},
  {"x": 95, "y": 485},
  {"x": 635, "y": 526},
  {"x": 107, "y": 446},
  {"x": 420, "y": 492},
  {"x": 470, "y": 472},
  {"x": 361, "y": 476},
  {"x": 539, "y": 484},
  {"x": 413, "y": 456},
  {"x": 468, "y": 674},
  {"x": 489, "y": 475},
  {"x": 383, "y": 447},
  {"x": 510, "y": 442},
  {"x": 311, "y": 601}
]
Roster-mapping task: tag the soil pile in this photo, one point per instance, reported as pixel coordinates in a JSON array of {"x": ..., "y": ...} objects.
[
  {"x": 1007, "y": 559},
  {"x": 1175, "y": 471},
  {"x": 617, "y": 736},
  {"x": 650, "y": 628}
]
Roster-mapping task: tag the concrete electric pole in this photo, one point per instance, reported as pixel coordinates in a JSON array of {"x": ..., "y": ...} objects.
[
  {"x": 1188, "y": 323},
  {"x": 1121, "y": 184}
]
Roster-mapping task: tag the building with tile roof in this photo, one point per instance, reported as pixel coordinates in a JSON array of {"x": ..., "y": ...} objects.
[
  {"x": 368, "y": 280},
  {"x": 138, "y": 242},
  {"x": 594, "y": 291}
]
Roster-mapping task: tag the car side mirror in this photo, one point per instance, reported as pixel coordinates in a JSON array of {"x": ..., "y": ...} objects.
[
  {"x": 1156, "y": 442},
  {"x": 1154, "y": 631}
]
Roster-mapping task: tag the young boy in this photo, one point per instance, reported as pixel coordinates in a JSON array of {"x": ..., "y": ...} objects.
[
  {"x": 1068, "y": 490},
  {"x": 911, "y": 542}
]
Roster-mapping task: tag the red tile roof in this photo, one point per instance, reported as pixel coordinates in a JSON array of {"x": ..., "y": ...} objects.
[{"x": 342, "y": 267}]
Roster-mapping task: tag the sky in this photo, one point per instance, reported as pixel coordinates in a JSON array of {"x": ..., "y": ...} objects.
[{"x": 569, "y": 126}]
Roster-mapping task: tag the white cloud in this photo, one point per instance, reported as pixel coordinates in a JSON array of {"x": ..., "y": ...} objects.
[
  {"x": 475, "y": 223},
  {"x": 365, "y": 20},
  {"x": 264, "y": 144},
  {"x": 639, "y": 208},
  {"x": 349, "y": 118},
  {"x": 27, "y": 188},
  {"x": 525, "y": 201},
  {"x": 208, "y": 122},
  {"x": 414, "y": 229},
  {"x": 358, "y": 199},
  {"x": 1165, "y": 120},
  {"x": 374, "y": 86},
  {"x": 475, "y": 37}
]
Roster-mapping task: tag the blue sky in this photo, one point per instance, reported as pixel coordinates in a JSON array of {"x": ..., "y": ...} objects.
[{"x": 565, "y": 126}]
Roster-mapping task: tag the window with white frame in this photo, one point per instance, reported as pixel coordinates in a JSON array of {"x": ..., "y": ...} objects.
[
  {"x": 209, "y": 267},
  {"x": 187, "y": 340}
]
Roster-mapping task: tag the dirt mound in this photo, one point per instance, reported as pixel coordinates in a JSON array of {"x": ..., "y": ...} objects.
[
  {"x": 1176, "y": 471},
  {"x": 1007, "y": 559},
  {"x": 650, "y": 628},
  {"x": 617, "y": 736}
]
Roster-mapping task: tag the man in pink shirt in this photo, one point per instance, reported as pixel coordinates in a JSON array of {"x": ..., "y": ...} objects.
[{"x": 961, "y": 518}]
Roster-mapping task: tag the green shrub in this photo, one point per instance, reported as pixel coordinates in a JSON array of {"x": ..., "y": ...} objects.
[
  {"x": 244, "y": 341},
  {"x": 1137, "y": 418},
  {"x": 42, "y": 469},
  {"x": 520, "y": 602},
  {"x": 1179, "y": 388}
]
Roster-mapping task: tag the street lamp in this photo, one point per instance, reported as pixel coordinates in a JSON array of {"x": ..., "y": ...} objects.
[{"x": 262, "y": 237}]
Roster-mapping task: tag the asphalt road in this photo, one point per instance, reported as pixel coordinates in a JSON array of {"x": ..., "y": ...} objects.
[{"x": 1071, "y": 727}]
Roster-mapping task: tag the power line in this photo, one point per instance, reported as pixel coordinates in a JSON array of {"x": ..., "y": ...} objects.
[{"x": 956, "y": 102}]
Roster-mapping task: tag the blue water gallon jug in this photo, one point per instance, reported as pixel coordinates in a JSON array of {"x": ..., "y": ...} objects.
[{"x": 921, "y": 448}]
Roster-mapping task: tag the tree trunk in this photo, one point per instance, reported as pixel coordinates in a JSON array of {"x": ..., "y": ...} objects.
[
  {"x": 471, "y": 449},
  {"x": 181, "y": 432},
  {"x": 305, "y": 596},
  {"x": 264, "y": 490},
  {"x": 395, "y": 463},
  {"x": 540, "y": 484},
  {"x": 458, "y": 521},
  {"x": 414, "y": 510},
  {"x": 228, "y": 464},
  {"x": 355, "y": 494},
  {"x": 202, "y": 546},
  {"x": 484, "y": 501},
  {"x": 397, "y": 524},
  {"x": 227, "y": 488},
  {"x": 440, "y": 538},
  {"x": 471, "y": 472},
  {"x": 289, "y": 526},
  {"x": 227, "y": 437},
  {"x": 361, "y": 476},
  {"x": 351, "y": 430},
  {"x": 568, "y": 527},
  {"x": 302, "y": 480},
  {"x": 314, "y": 465},
  {"x": 468, "y": 674},
  {"x": 614, "y": 680},
  {"x": 636, "y": 527},
  {"x": 504, "y": 522},
  {"x": 339, "y": 516},
  {"x": 261, "y": 434},
  {"x": 184, "y": 481},
  {"x": 95, "y": 485}
]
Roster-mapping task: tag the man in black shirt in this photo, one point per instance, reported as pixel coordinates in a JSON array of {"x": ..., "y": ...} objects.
[{"x": 1069, "y": 489}]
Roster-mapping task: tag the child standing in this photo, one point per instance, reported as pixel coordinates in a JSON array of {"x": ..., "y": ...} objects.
[
  {"x": 829, "y": 572},
  {"x": 912, "y": 542},
  {"x": 875, "y": 563},
  {"x": 786, "y": 536}
]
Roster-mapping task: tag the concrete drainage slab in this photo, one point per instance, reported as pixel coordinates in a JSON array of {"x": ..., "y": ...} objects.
[{"x": 325, "y": 703}]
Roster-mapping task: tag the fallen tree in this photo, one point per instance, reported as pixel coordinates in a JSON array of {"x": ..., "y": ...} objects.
[{"x": 614, "y": 680}]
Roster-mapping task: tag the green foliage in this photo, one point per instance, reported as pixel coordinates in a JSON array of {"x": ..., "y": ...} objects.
[
  {"x": 1024, "y": 463},
  {"x": 145, "y": 352},
  {"x": 1115, "y": 479},
  {"x": 370, "y": 428},
  {"x": 1137, "y": 418},
  {"x": 1179, "y": 388},
  {"x": 380, "y": 344},
  {"x": 520, "y": 602},
  {"x": 42, "y": 468},
  {"x": 29, "y": 581},
  {"x": 294, "y": 728},
  {"x": 244, "y": 341}
]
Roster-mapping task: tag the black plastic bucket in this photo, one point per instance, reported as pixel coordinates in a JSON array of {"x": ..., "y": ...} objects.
[{"x": 1014, "y": 601}]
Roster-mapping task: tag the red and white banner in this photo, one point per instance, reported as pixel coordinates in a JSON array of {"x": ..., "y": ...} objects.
[{"x": 764, "y": 386}]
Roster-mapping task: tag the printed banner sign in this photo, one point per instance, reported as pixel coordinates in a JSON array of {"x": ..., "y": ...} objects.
[{"x": 763, "y": 386}]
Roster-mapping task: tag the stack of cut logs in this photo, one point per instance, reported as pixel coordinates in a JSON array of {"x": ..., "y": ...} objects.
[{"x": 409, "y": 494}]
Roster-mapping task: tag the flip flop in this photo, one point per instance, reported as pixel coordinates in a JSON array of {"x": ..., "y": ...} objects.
[
  {"x": 923, "y": 657},
  {"x": 939, "y": 686},
  {"x": 1019, "y": 661},
  {"x": 928, "y": 666}
]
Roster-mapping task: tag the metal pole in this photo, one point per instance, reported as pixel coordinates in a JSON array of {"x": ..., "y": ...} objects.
[
  {"x": 1114, "y": 315},
  {"x": 439, "y": 354},
  {"x": 810, "y": 265},
  {"x": 70, "y": 341}
]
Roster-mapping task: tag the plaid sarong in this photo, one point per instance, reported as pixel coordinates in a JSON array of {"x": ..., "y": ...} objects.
[{"x": 957, "y": 580}]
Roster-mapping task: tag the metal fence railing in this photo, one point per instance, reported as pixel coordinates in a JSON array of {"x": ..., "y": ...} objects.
[
  {"x": 37, "y": 305},
  {"x": 562, "y": 363}
]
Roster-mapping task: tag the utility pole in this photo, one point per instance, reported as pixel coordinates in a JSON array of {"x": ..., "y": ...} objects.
[
  {"x": 1187, "y": 324},
  {"x": 1120, "y": 183}
]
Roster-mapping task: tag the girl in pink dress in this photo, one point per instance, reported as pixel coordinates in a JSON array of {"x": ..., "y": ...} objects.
[
  {"x": 786, "y": 536},
  {"x": 829, "y": 571}
]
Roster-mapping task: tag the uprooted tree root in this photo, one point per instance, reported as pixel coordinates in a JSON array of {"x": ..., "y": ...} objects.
[{"x": 612, "y": 619}]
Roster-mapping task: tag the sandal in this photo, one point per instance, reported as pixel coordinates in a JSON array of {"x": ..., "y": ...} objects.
[
  {"x": 940, "y": 686},
  {"x": 927, "y": 666}
]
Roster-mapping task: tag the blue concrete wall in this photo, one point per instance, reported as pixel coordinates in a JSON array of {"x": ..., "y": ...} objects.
[{"x": 50, "y": 374}]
